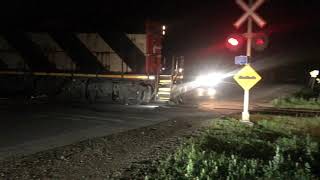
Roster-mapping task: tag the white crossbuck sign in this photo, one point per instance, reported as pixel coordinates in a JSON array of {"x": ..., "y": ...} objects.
[{"x": 250, "y": 12}]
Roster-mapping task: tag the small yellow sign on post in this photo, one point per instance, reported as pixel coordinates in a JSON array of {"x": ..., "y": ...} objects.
[{"x": 247, "y": 77}]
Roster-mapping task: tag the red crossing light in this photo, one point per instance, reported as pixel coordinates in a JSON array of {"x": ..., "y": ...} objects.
[
  {"x": 260, "y": 41},
  {"x": 234, "y": 42}
]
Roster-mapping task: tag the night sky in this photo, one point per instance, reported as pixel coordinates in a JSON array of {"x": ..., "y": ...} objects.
[{"x": 196, "y": 29}]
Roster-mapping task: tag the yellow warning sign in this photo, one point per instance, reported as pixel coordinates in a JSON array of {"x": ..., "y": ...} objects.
[{"x": 247, "y": 77}]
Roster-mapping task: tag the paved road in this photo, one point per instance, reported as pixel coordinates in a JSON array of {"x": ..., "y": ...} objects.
[{"x": 29, "y": 128}]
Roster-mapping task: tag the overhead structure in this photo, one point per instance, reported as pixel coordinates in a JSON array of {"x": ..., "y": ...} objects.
[
  {"x": 79, "y": 53},
  {"x": 30, "y": 51},
  {"x": 126, "y": 50}
]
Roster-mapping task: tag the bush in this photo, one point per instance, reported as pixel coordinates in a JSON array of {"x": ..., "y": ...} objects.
[
  {"x": 231, "y": 150},
  {"x": 306, "y": 93}
]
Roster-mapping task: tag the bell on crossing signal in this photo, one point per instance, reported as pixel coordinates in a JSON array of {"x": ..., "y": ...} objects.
[
  {"x": 234, "y": 42},
  {"x": 260, "y": 41}
]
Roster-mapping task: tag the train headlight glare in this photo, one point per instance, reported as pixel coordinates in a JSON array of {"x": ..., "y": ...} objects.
[
  {"x": 200, "y": 91},
  {"x": 210, "y": 79},
  {"x": 211, "y": 92},
  {"x": 152, "y": 78}
]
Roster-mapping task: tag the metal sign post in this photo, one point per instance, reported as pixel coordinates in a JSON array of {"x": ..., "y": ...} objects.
[
  {"x": 239, "y": 77},
  {"x": 249, "y": 31},
  {"x": 246, "y": 95}
]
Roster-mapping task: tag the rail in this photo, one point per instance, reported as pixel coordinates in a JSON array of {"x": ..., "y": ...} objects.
[{"x": 301, "y": 112}]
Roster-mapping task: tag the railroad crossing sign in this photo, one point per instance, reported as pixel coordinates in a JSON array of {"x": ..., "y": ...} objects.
[
  {"x": 247, "y": 77},
  {"x": 250, "y": 12}
]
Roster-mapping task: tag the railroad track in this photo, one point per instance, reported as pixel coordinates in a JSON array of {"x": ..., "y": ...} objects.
[
  {"x": 287, "y": 111},
  {"x": 301, "y": 112}
]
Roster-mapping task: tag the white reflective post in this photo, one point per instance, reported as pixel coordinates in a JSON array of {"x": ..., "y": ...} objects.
[{"x": 245, "y": 113}]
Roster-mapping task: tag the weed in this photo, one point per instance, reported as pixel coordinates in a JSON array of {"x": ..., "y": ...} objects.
[{"x": 231, "y": 150}]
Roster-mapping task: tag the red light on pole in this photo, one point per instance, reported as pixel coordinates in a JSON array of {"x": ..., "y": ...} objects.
[
  {"x": 234, "y": 42},
  {"x": 259, "y": 42}
]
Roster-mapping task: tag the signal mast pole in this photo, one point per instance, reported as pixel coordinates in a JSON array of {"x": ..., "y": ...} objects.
[
  {"x": 249, "y": 15},
  {"x": 245, "y": 113},
  {"x": 249, "y": 33}
]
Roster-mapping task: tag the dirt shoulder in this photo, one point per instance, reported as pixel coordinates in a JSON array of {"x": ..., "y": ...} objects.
[{"x": 118, "y": 156}]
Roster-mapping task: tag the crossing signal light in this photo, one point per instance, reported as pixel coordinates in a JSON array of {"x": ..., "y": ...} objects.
[
  {"x": 260, "y": 41},
  {"x": 234, "y": 42}
]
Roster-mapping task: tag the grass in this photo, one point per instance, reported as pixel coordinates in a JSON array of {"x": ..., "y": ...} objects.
[
  {"x": 295, "y": 102},
  {"x": 274, "y": 148},
  {"x": 305, "y": 98}
]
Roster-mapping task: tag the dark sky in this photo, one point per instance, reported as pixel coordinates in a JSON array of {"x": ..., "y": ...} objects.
[
  {"x": 196, "y": 29},
  {"x": 205, "y": 13}
]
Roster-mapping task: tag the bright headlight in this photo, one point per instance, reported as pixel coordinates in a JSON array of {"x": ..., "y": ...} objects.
[
  {"x": 211, "y": 92},
  {"x": 210, "y": 79},
  {"x": 200, "y": 92},
  {"x": 201, "y": 80}
]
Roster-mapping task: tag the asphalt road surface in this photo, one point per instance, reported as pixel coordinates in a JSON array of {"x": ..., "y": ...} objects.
[{"x": 34, "y": 127}]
